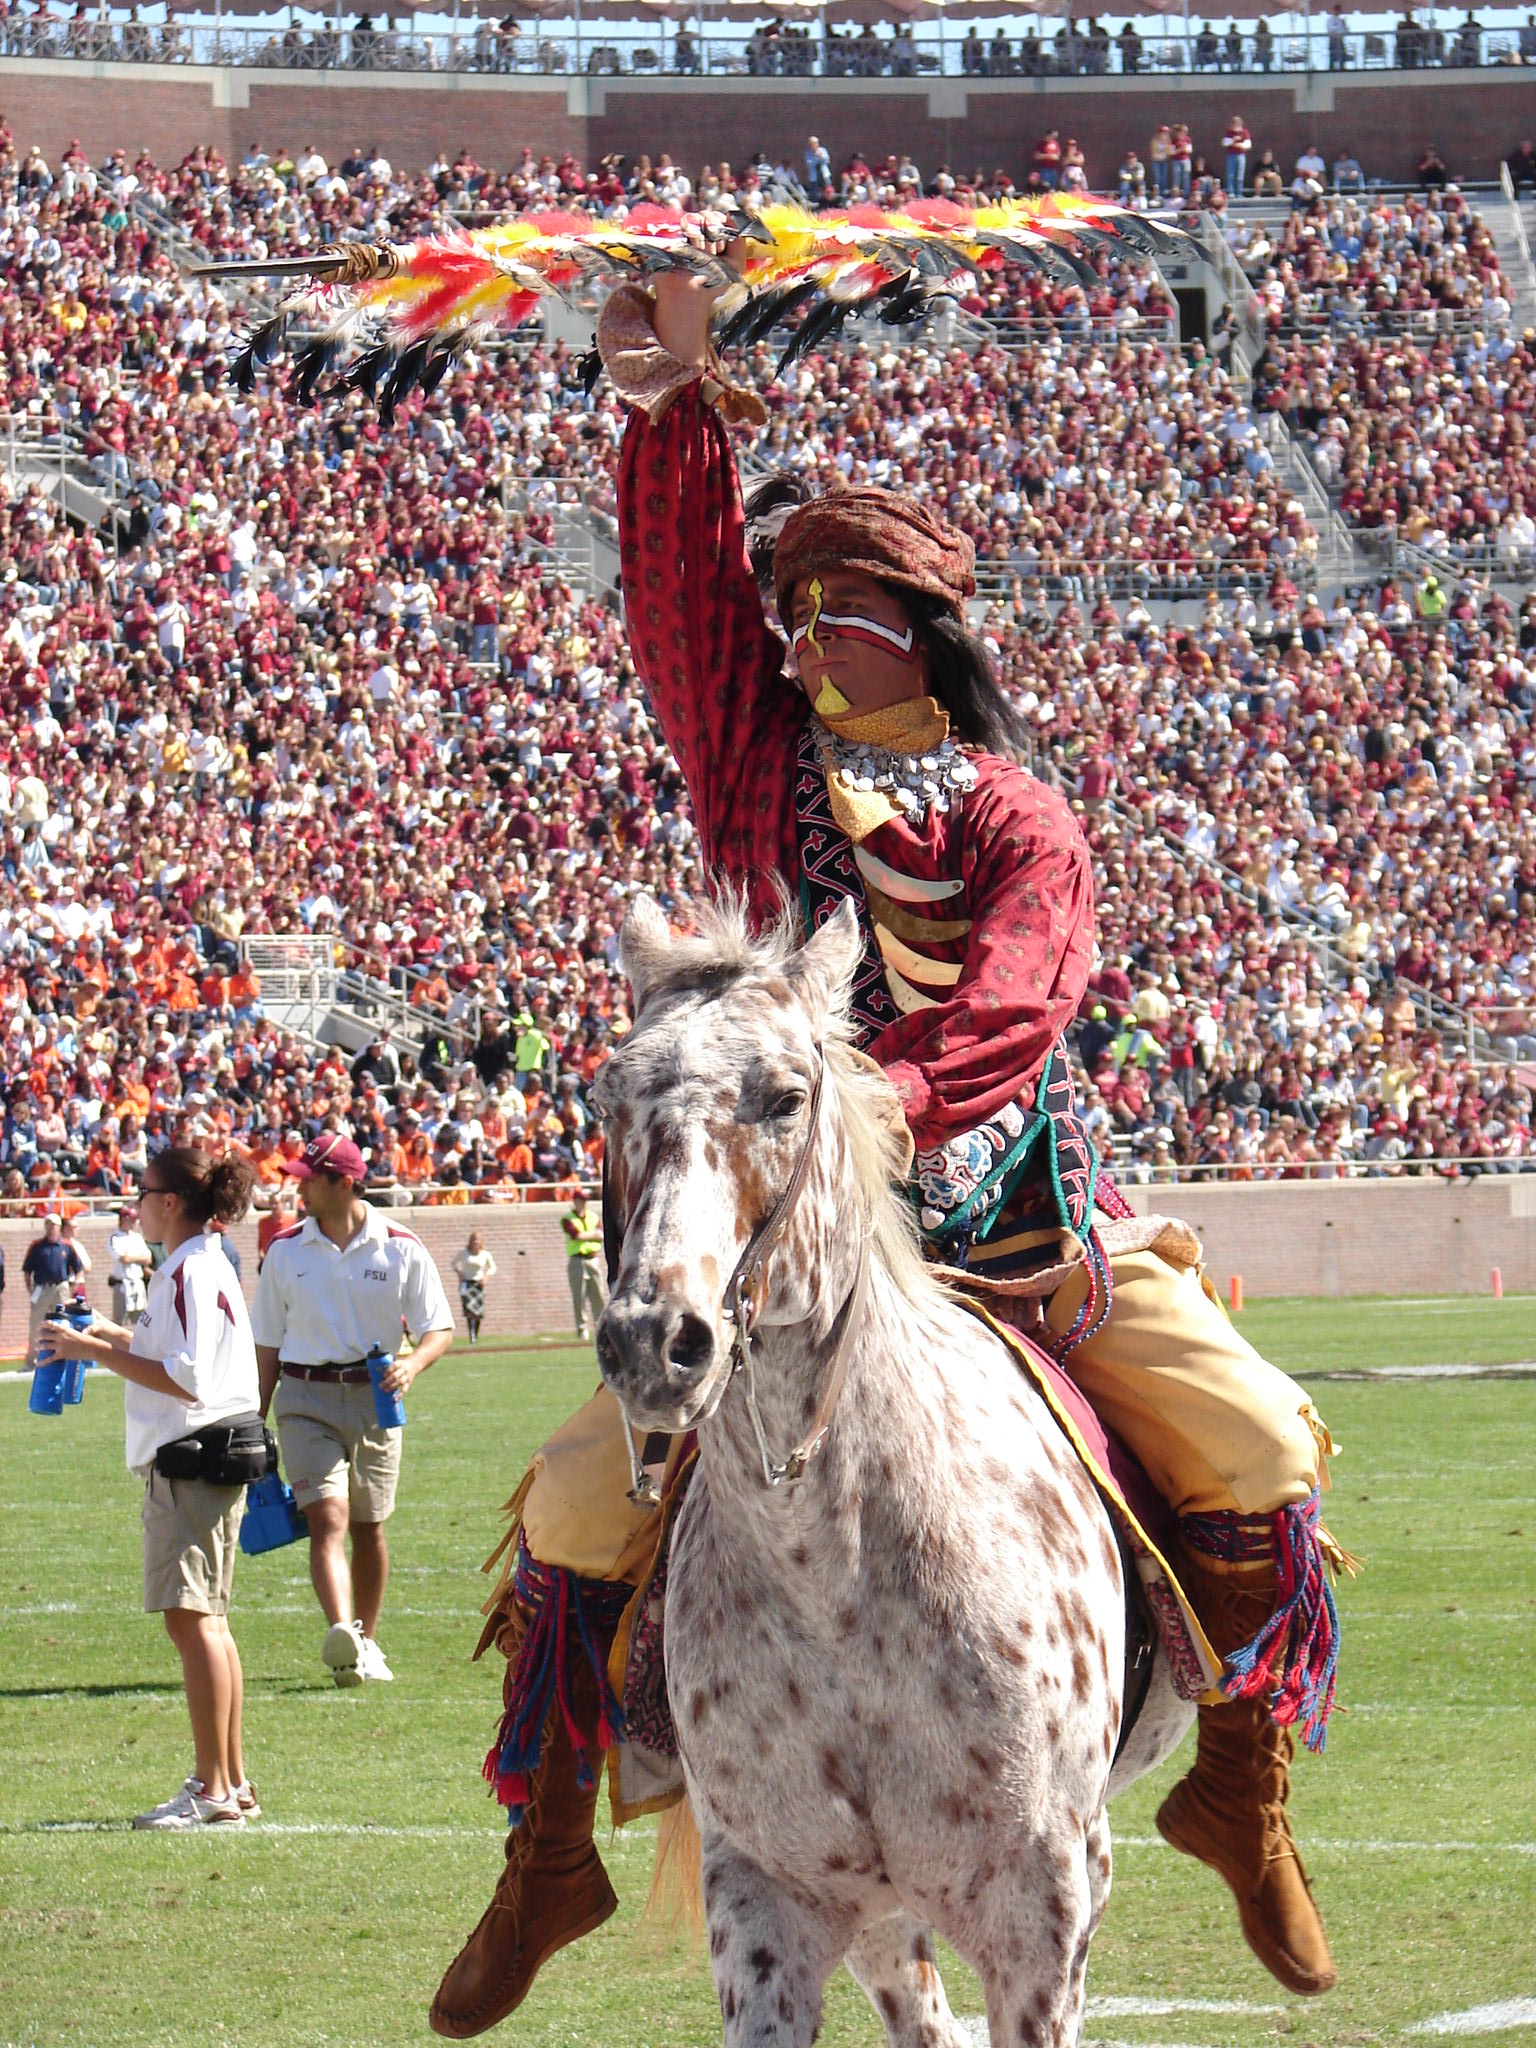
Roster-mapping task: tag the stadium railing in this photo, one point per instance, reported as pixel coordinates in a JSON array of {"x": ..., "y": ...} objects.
[
  {"x": 1127, "y": 1167},
  {"x": 1458, "y": 1029},
  {"x": 651, "y": 48}
]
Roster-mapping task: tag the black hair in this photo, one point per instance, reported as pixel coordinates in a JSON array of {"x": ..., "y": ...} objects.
[
  {"x": 767, "y": 506},
  {"x": 211, "y": 1188},
  {"x": 962, "y": 678}
]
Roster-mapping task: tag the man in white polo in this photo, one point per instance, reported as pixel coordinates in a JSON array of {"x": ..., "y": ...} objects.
[{"x": 344, "y": 1279}]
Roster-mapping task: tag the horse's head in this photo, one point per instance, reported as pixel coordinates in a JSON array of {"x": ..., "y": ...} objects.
[{"x": 722, "y": 1122}]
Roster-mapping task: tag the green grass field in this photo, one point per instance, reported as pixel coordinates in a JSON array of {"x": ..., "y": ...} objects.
[{"x": 330, "y": 1920}]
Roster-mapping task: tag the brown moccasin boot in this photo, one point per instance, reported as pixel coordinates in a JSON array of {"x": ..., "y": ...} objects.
[
  {"x": 553, "y": 1888},
  {"x": 1230, "y": 1810}
]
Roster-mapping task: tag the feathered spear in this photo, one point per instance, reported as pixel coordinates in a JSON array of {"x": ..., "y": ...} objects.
[{"x": 391, "y": 318}]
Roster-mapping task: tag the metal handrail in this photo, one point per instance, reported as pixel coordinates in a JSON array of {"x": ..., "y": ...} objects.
[
  {"x": 1439, "y": 1016},
  {"x": 655, "y": 47},
  {"x": 1517, "y": 222},
  {"x": 1409, "y": 323}
]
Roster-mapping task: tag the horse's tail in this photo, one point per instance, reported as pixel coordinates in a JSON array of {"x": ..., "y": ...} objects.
[{"x": 676, "y": 1901}]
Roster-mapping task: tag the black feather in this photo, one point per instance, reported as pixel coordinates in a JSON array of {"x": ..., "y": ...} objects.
[
  {"x": 893, "y": 290},
  {"x": 761, "y": 315},
  {"x": 438, "y": 366},
  {"x": 267, "y": 339},
  {"x": 589, "y": 369},
  {"x": 403, "y": 379},
  {"x": 262, "y": 344},
  {"x": 370, "y": 368},
  {"x": 310, "y": 366},
  {"x": 817, "y": 326},
  {"x": 910, "y": 306}
]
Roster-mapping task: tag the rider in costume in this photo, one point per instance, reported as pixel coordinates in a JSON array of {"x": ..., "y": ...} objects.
[{"x": 881, "y": 778}]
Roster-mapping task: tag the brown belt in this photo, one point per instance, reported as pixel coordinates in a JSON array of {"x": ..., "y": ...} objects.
[{"x": 342, "y": 1375}]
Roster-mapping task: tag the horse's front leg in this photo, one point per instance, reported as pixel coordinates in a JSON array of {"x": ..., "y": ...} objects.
[
  {"x": 771, "y": 1955},
  {"x": 892, "y": 1963}
]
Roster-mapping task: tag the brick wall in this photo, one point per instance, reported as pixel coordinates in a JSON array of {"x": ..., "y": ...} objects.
[
  {"x": 1333, "y": 1238},
  {"x": 1386, "y": 117}
]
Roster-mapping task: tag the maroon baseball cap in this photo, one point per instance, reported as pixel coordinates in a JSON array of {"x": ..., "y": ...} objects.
[{"x": 329, "y": 1153}]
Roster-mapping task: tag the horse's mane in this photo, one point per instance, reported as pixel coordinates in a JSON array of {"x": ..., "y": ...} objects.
[{"x": 716, "y": 949}]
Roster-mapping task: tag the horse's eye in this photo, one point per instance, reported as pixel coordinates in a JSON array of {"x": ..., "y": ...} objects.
[{"x": 786, "y": 1106}]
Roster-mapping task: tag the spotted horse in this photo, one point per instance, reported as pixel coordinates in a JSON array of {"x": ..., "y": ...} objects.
[{"x": 896, "y": 1607}]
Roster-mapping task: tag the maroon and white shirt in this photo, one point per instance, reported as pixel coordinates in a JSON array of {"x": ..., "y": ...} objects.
[
  {"x": 195, "y": 1324},
  {"x": 321, "y": 1303}
]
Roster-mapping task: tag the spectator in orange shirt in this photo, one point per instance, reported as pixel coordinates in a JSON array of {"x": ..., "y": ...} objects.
[
  {"x": 244, "y": 995},
  {"x": 273, "y": 1223},
  {"x": 416, "y": 1166},
  {"x": 516, "y": 1156},
  {"x": 104, "y": 1162},
  {"x": 266, "y": 1160}
]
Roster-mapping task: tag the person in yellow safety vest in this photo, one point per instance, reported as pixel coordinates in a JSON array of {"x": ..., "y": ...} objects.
[
  {"x": 1430, "y": 598},
  {"x": 1133, "y": 1045},
  {"x": 583, "y": 1245}
]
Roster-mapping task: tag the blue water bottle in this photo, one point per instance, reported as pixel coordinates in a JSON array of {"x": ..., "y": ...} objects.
[
  {"x": 48, "y": 1377},
  {"x": 389, "y": 1408},
  {"x": 271, "y": 1516},
  {"x": 79, "y": 1317}
]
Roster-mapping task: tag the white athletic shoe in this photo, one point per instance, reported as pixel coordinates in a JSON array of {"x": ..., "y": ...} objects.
[
  {"x": 245, "y": 1798},
  {"x": 342, "y": 1652},
  {"x": 189, "y": 1809},
  {"x": 371, "y": 1661}
]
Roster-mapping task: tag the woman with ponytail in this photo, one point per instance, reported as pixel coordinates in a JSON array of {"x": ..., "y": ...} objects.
[{"x": 191, "y": 1411}]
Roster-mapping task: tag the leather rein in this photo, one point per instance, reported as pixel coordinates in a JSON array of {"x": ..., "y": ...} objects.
[{"x": 745, "y": 1294}]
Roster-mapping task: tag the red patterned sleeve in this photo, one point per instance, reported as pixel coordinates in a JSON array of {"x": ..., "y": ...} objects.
[
  {"x": 695, "y": 620},
  {"x": 1029, "y": 890}
]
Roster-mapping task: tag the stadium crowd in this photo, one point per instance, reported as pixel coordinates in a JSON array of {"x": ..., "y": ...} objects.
[
  {"x": 333, "y": 679},
  {"x": 1390, "y": 349}
]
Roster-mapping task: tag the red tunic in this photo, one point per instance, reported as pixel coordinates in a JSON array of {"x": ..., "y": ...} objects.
[{"x": 713, "y": 670}]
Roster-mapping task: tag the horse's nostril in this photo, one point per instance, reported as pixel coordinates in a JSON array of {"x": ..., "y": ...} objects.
[
  {"x": 692, "y": 1345},
  {"x": 607, "y": 1350}
]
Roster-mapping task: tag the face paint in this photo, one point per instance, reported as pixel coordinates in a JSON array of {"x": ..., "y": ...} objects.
[
  {"x": 807, "y": 632},
  {"x": 900, "y": 641}
]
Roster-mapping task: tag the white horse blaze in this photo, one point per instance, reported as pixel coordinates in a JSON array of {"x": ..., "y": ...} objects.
[{"x": 895, "y": 1685}]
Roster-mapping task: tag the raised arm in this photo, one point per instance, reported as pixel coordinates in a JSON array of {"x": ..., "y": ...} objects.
[{"x": 697, "y": 634}]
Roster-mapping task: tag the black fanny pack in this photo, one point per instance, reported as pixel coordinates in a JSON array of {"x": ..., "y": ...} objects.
[{"x": 224, "y": 1453}]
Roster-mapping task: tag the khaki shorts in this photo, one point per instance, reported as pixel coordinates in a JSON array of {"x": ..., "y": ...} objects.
[
  {"x": 190, "y": 1532},
  {"x": 334, "y": 1449}
]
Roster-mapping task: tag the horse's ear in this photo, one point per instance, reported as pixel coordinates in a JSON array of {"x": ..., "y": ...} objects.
[
  {"x": 823, "y": 969},
  {"x": 644, "y": 943}
]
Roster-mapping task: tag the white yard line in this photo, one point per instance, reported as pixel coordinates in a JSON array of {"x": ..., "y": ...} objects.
[
  {"x": 974, "y": 2023},
  {"x": 1367, "y": 1847},
  {"x": 1524, "y": 1369},
  {"x": 1482, "y": 2019},
  {"x": 623, "y": 1841},
  {"x": 1160, "y": 2008}
]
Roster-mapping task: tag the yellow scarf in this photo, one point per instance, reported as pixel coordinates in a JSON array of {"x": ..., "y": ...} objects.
[{"x": 915, "y": 725}]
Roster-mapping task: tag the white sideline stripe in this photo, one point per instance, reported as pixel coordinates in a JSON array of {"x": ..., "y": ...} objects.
[
  {"x": 618, "y": 1845},
  {"x": 1160, "y": 2008},
  {"x": 1482, "y": 2019},
  {"x": 622, "y": 1841},
  {"x": 1522, "y": 1369},
  {"x": 974, "y": 2024},
  {"x": 1515, "y": 1369},
  {"x": 1366, "y": 1847}
]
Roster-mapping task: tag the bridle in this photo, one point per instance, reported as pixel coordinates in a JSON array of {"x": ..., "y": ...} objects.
[{"x": 745, "y": 1293}]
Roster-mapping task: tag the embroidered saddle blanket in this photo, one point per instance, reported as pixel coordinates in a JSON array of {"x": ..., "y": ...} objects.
[{"x": 644, "y": 1771}]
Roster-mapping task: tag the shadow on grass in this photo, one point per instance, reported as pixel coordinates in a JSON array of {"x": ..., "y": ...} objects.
[{"x": 87, "y": 1692}]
